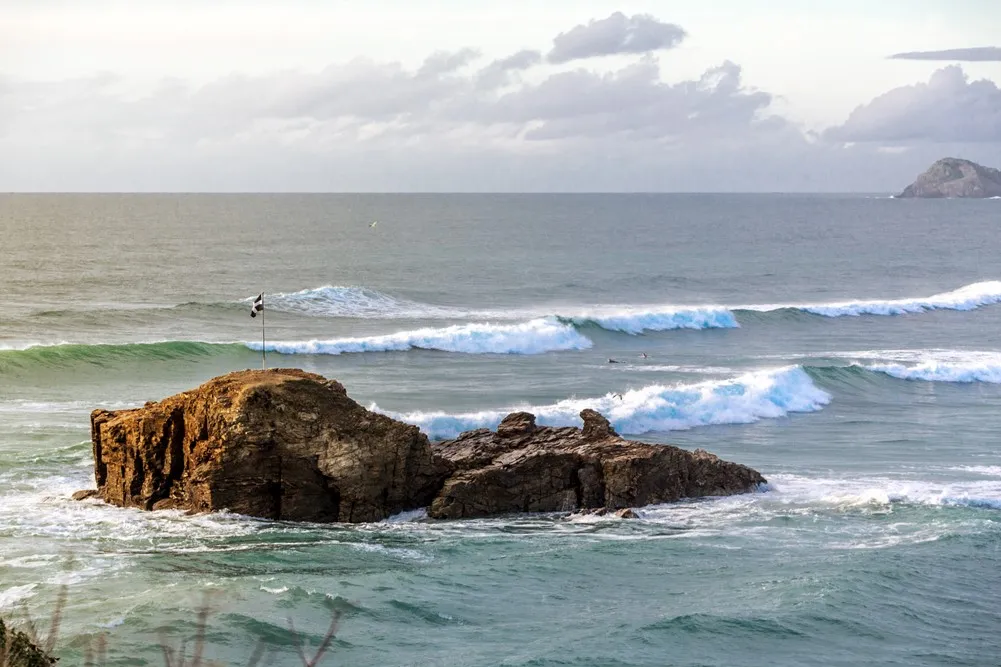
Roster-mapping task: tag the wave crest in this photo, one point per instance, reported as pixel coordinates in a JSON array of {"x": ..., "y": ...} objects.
[
  {"x": 979, "y": 370},
  {"x": 741, "y": 400},
  {"x": 969, "y": 297},
  {"x": 637, "y": 320},
  {"x": 533, "y": 337}
]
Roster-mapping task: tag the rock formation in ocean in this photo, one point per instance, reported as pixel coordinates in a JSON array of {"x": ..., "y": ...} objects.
[
  {"x": 953, "y": 177},
  {"x": 527, "y": 468},
  {"x": 278, "y": 444},
  {"x": 287, "y": 444}
]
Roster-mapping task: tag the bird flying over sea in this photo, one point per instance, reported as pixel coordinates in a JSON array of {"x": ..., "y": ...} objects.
[{"x": 374, "y": 223}]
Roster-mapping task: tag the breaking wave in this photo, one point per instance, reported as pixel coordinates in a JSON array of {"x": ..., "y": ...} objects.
[
  {"x": 350, "y": 302},
  {"x": 533, "y": 337},
  {"x": 765, "y": 394},
  {"x": 938, "y": 365},
  {"x": 933, "y": 371},
  {"x": 359, "y": 302},
  {"x": 969, "y": 297},
  {"x": 638, "y": 320}
]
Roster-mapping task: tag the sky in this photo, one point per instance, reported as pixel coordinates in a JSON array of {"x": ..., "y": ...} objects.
[{"x": 524, "y": 96}]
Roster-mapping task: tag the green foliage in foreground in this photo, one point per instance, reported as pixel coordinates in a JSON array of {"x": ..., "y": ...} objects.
[
  {"x": 17, "y": 650},
  {"x": 24, "y": 649}
]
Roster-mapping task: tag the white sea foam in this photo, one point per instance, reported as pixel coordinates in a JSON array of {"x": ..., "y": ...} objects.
[
  {"x": 398, "y": 552},
  {"x": 407, "y": 516},
  {"x": 41, "y": 507},
  {"x": 533, "y": 337},
  {"x": 13, "y": 595},
  {"x": 341, "y": 301},
  {"x": 882, "y": 491},
  {"x": 990, "y": 471},
  {"x": 275, "y": 591},
  {"x": 740, "y": 400}
]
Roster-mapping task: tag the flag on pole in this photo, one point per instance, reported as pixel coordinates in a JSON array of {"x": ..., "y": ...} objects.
[{"x": 258, "y": 306}]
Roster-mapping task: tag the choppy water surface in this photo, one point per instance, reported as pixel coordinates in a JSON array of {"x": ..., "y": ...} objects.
[{"x": 846, "y": 347}]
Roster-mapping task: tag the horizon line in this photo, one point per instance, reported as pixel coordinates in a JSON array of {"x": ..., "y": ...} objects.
[{"x": 446, "y": 192}]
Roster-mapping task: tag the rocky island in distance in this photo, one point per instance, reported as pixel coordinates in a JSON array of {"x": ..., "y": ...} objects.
[
  {"x": 290, "y": 445},
  {"x": 954, "y": 177}
]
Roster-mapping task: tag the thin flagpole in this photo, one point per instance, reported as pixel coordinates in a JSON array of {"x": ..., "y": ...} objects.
[{"x": 264, "y": 351}]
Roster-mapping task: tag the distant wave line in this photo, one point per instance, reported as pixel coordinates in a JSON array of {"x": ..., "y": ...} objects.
[{"x": 330, "y": 301}]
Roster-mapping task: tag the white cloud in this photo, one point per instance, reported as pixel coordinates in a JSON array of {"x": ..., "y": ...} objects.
[{"x": 948, "y": 108}]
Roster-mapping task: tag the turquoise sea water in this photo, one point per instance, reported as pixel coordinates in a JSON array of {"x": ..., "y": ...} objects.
[{"x": 846, "y": 347}]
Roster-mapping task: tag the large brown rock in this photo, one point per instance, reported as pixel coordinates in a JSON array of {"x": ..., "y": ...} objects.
[
  {"x": 287, "y": 444},
  {"x": 278, "y": 444},
  {"x": 543, "y": 469}
]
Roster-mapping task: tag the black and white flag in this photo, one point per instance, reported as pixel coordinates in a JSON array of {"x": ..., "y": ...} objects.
[{"x": 258, "y": 306}]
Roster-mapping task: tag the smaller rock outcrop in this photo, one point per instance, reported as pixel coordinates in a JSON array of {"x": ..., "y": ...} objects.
[
  {"x": 954, "y": 177},
  {"x": 528, "y": 468}
]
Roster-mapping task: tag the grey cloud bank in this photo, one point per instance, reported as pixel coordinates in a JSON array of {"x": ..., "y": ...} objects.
[
  {"x": 974, "y": 54},
  {"x": 523, "y": 122}
]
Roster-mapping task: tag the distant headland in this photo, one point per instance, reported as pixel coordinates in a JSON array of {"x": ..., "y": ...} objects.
[{"x": 954, "y": 177}]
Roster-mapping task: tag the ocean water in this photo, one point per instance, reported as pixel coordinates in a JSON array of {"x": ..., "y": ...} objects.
[{"x": 847, "y": 347}]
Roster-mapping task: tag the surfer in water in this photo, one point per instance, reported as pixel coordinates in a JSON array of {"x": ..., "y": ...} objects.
[{"x": 614, "y": 361}]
